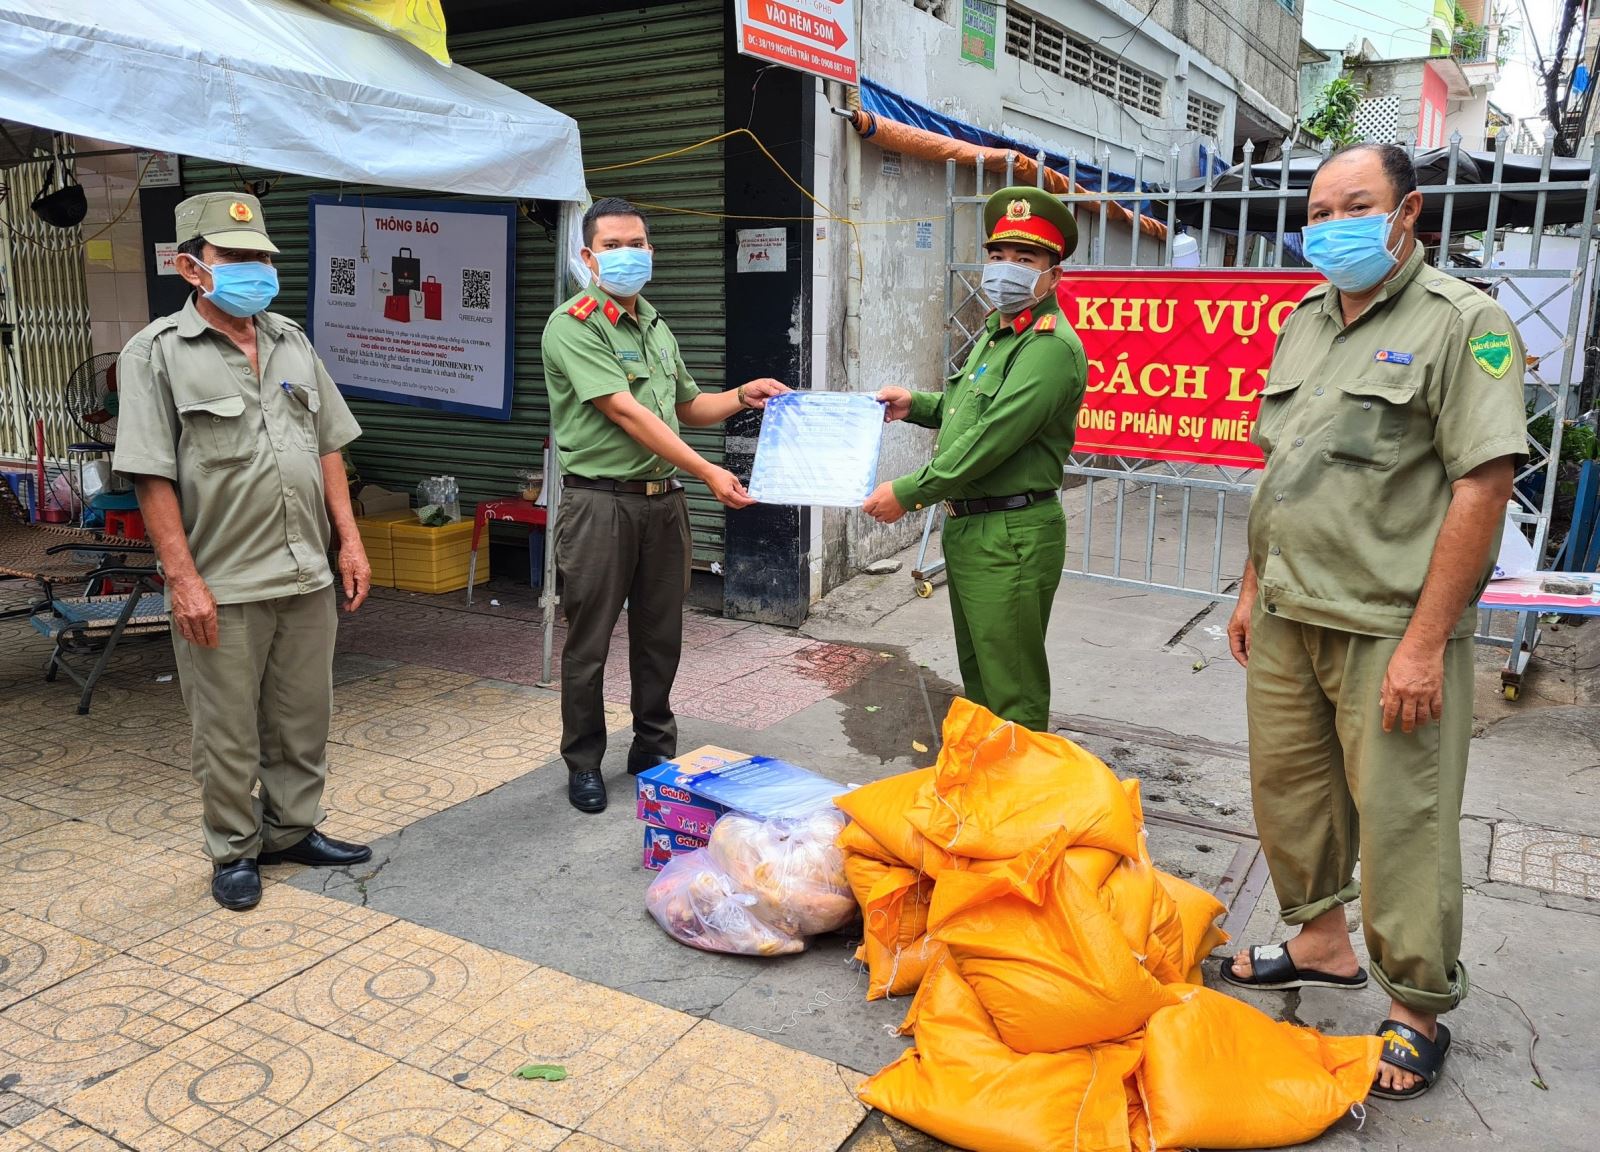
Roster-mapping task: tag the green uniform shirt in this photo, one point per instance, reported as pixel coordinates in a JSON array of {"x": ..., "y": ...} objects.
[
  {"x": 1007, "y": 420},
  {"x": 1365, "y": 428},
  {"x": 244, "y": 453},
  {"x": 592, "y": 348}
]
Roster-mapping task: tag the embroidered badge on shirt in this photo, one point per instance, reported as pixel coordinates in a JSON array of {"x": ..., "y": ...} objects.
[
  {"x": 1385, "y": 356},
  {"x": 1492, "y": 351},
  {"x": 628, "y": 354}
]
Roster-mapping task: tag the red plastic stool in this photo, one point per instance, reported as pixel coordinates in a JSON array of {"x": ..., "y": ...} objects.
[{"x": 127, "y": 524}]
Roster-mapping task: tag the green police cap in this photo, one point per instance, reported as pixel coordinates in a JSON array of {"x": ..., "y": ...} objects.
[
  {"x": 1028, "y": 215},
  {"x": 226, "y": 219}
]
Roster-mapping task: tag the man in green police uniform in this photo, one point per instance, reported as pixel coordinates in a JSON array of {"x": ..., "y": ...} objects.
[
  {"x": 1006, "y": 424},
  {"x": 1391, "y": 420},
  {"x": 618, "y": 392},
  {"x": 231, "y": 429}
]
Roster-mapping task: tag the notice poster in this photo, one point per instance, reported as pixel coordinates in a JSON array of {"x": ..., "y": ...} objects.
[
  {"x": 815, "y": 36},
  {"x": 411, "y": 301},
  {"x": 1177, "y": 358}
]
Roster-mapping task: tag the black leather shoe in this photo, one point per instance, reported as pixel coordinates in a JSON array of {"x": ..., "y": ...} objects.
[
  {"x": 643, "y": 761},
  {"x": 587, "y": 791},
  {"x": 236, "y": 884},
  {"x": 319, "y": 852}
]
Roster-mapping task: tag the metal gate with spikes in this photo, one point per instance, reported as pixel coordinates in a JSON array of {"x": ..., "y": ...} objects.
[{"x": 1177, "y": 527}]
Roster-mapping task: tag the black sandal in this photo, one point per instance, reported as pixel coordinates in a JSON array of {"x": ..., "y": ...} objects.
[
  {"x": 1272, "y": 969},
  {"x": 1409, "y": 1050}
]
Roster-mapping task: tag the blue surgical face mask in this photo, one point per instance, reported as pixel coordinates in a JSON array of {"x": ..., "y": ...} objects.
[
  {"x": 624, "y": 271},
  {"x": 1352, "y": 253},
  {"x": 242, "y": 289}
]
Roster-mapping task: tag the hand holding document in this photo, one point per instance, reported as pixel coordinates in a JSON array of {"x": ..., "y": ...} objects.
[{"x": 818, "y": 449}]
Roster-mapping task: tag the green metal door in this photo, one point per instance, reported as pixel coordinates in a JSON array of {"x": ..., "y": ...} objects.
[{"x": 628, "y": 106}]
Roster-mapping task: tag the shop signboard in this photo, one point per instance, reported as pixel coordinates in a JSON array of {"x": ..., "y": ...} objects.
[{"x": 815, "y": 36}]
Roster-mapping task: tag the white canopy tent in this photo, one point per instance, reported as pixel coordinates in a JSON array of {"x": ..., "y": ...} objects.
[{"x": 282, "y": 85}]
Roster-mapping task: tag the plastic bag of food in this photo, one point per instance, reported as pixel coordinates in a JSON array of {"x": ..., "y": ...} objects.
[
  {"x": 962, "y": 1085},
  {"x": 793, "y": 868},
  {"x": 1218, "y": 1073},
  {"x": 699, "y": 904},
  {"x": 1000, "y": 789}
]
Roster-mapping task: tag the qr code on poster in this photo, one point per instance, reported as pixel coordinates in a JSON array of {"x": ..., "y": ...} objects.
[
  {"x": 476, "y": 288},
  {"x": 341, "y": 276}
]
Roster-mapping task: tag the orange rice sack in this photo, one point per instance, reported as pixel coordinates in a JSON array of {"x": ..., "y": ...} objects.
[
  {"x": 999, "y": 789},
  {"x": 1050, "y": 967},
  {"x": 884, "y": 809},
  {"x": 1197, "y": 913},
  {"x": 962, "y": 1085},
  {"x": 894, "y": 910},
  {"x": 1219, "y": 1074}
]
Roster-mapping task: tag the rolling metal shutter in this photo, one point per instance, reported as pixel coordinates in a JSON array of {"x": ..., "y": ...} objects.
[{"x": 627, "y": 106}]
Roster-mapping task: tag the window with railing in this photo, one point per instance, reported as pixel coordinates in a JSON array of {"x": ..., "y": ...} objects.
[{"x": 1048, "y": 46}]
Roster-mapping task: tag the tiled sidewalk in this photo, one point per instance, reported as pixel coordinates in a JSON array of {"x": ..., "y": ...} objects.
[{"x": 136, "y": 1014}]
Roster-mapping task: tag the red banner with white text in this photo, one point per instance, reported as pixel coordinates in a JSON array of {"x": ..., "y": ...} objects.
[{"x": 1177, "y": 358}]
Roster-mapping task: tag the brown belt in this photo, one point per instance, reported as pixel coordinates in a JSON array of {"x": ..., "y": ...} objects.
[
  {"x": 630, "y": 487},
  {"x": 958, "y": 508}
]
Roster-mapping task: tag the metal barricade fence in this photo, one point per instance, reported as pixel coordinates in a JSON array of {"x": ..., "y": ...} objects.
[{"x": 1175, "y": 527}]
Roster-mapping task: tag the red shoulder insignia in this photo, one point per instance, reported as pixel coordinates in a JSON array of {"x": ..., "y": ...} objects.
[
  {"x": 584, "y": 308},
  {"x": 1023, "y": 319},
  {"x": 1046, "y": 323},
  {"x": 613, "y": 313}
]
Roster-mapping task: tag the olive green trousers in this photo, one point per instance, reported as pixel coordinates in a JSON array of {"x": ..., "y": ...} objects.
[{"x": 1331, "y": 787}]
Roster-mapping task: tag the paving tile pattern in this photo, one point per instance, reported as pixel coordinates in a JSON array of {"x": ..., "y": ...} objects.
[
  {"x": 1546, "y": 858},
  {"x": 135, "y": 1014}
]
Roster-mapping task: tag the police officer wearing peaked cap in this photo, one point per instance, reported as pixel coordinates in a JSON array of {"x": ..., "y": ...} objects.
[
  {"x": 231, "y": 430},
  {"x": 1006, "y": 424}
]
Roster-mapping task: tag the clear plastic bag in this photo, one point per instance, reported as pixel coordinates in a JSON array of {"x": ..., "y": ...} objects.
[
  {"x": 792, "y": 868},
  {"x": 696, "y": 902}
]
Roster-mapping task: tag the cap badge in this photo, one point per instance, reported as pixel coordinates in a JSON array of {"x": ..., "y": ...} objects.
[
  {"x": 1019, "y": 210},
  {"x": 240, "y": 211}
]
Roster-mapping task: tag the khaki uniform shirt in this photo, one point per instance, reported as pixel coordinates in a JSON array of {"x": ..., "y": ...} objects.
[
  {"x": 1365, "y": 428},
  {"x": 245, "y": 453},
  {"x": 1007, "y": 420},
  {"x": 592, "y": 348}
]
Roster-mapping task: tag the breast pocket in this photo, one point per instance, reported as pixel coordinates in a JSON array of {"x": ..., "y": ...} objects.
[
  {"x": 305, "y": 401},
  {"x": 1369, "y": 422},
  {"x": 217, "y": 429},
  {"x": 1276, "y": 398}
]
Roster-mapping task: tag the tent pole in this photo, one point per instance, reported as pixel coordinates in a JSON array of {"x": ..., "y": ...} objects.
[{"x": 552, "y": 466}]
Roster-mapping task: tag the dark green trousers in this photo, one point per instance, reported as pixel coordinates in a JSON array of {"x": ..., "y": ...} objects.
[
  {"x": 1004, "y": 568},
  {"x": 614, "y": 547}
]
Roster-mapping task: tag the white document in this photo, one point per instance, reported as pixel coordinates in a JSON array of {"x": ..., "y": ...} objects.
[{"x": 818, "y": 449}]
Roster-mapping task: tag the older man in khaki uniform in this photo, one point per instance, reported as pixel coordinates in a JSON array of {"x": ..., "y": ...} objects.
[
  {"x": 231, "y": 429},
  {"x": 1391, "y": 421}
]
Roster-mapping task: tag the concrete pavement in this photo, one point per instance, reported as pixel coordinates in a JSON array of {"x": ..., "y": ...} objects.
[{"x": 496, "y": 926}]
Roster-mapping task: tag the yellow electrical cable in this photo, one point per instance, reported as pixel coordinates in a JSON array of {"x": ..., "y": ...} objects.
[{"x": 854, "y": 227}]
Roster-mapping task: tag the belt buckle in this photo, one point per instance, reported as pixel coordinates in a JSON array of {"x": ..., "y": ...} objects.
[
  {"x": 655, "y": 487},
  {"x": 950, "y": 510}
]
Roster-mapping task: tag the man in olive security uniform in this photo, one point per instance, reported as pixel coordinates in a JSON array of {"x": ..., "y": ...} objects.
[
  {"x": 1392, "y": 420},
  {"x": 619, "y": 391},
  {"x": 231, "y": 428},
  {"x": 1006, "y": 424}
]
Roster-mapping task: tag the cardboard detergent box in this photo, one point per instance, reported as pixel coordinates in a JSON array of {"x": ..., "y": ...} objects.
[
  {"x": 662, "y": 846},
  {"x": 711, "y": 781}
]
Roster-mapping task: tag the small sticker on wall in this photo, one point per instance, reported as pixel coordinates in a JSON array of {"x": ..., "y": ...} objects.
[
  {"x": 166, "y": 259},
  {"x": 891, "y": 163},
  {"x": 762, "y": 250},
  {"x": 925, "y": 235},
  {"x": 822, "y": 231}
]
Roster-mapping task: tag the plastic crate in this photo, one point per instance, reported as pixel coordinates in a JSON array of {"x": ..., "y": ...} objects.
[
  {"x": 435, "y": 559},
  {"x": 377, "y": 539}
]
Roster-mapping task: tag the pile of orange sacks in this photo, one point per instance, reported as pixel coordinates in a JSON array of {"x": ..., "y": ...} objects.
[{"x": 1056, "y": 969}]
